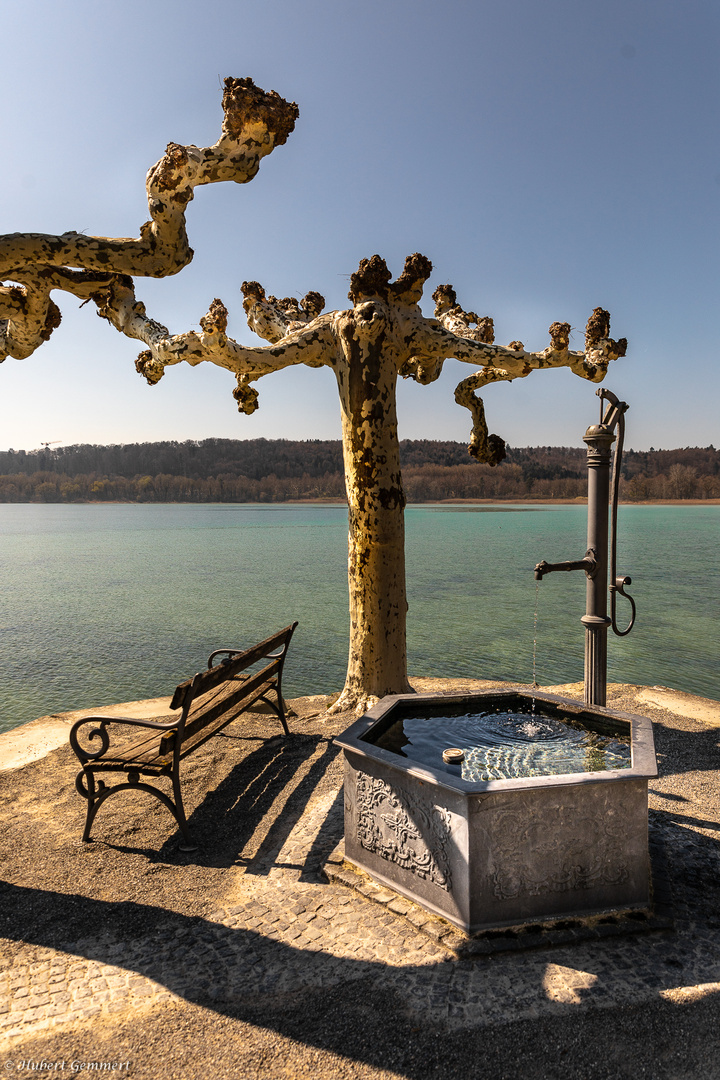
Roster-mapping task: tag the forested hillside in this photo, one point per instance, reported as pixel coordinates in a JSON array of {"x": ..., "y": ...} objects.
[{"x": 262, "y": 470}]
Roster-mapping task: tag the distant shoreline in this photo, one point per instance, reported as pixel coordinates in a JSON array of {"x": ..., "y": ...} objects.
[
  {"x": 285, "y": 471},
  {"x": 580, "y": 500}
]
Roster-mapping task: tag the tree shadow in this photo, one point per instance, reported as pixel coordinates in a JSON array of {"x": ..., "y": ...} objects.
[
  {"x": 233, "y": 972},
  {"x": 352, "y": 1008}
]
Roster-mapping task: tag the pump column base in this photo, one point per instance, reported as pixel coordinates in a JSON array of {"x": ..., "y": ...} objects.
[{"x": 596, "y": 628}]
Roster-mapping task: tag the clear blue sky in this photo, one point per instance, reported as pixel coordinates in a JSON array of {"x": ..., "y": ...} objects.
[{"x": 547, "y": 157}]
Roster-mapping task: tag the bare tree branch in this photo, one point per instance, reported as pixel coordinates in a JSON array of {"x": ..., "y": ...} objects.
[
  {"x": 254, "y": 123},
  {"x": 513, "y": 362},
  {"x": 312, "y": 344},
  {"x": 416, "y": 346}
]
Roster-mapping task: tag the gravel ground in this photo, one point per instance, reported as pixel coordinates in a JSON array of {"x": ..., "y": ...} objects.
[{"x": 242, "y": 961}]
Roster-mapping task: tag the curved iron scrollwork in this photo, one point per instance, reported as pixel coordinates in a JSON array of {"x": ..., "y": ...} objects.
[
  {"x": 94, "y": 733},
  {"x": 87, "y": 789}
]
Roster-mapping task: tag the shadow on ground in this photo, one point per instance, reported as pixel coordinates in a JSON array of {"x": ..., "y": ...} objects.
[
  {"x": 133, "y": 900},
  {"x": 344, "y": 1007}
]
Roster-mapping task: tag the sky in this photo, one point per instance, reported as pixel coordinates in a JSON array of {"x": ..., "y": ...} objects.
[{"x": 547, "y": 157}]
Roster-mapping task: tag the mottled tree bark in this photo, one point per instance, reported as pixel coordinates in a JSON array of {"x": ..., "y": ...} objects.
[
  {"x": 367, "y": 377},
  {"x": 254, "y": 123}
]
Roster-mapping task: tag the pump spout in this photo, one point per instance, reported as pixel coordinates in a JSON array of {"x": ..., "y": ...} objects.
[{"x": 589, "y": 564}]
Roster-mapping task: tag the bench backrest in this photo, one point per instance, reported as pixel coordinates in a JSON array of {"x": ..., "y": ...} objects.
[{"x": 273, "y": 648}]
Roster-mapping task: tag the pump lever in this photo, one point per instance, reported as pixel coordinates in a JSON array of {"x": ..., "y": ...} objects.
[{"x": 615, "y": 409}]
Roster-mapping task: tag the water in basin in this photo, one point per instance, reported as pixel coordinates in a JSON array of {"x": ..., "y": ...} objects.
[{"x": 501, "y": 745}]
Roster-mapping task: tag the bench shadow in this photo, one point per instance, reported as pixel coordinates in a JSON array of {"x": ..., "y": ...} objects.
[
  {"x": 249, "y": 815},
  {"x": 328, "y": 837},
  {"x": 279, "y": 832},
  {"x": 679, "y": 751},
  {"x": 687, "y": 819}
]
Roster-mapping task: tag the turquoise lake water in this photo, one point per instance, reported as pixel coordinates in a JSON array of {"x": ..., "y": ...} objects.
[{"x": 113, "y": 603}]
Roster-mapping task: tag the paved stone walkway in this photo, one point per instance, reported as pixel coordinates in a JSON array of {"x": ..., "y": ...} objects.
[
  {"x": 282, "y": 929},
  {"x": 281, "y": 934}
]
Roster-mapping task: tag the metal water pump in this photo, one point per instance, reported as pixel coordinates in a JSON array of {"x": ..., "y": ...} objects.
[{"x": 599, "y": 439}]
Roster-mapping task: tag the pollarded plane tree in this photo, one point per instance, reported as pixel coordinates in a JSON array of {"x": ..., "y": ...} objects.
[{"x": 368, "y": 346}]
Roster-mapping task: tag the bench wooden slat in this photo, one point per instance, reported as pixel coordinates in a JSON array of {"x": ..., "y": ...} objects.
[
  {"x": 222, "y": 719},
  {"x": 141, "y": 751},
  {"x": 157, "y": 753},
  {"x": 206, "y": 680},
  {"x": 223, "y": 698},
  {"x": 204, "y": 711},
  {"x": 152, "y": 766}
]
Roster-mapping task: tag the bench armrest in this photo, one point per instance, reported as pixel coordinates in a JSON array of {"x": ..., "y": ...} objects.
[
  {"x": 272, "y": 648},
  {"x": 229, "y": 654},
  {"x": 100, "y": 732}
]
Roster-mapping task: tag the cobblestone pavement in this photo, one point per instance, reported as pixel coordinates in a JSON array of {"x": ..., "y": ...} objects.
[
  {"x": 280, "y": 935},
  {"x": 281, "y": 929}
]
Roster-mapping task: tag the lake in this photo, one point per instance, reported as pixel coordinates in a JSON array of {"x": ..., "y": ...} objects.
[{"x": 108, "y": 603}]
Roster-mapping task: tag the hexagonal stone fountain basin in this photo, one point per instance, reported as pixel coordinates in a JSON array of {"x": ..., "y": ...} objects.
[{"x": 546, "y": 815}]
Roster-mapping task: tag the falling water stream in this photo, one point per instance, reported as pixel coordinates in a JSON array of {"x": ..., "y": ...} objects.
[{"x": 534, "y": 666}]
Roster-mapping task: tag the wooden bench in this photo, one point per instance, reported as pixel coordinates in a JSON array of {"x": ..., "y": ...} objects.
[{"x": 209, "y": 701}]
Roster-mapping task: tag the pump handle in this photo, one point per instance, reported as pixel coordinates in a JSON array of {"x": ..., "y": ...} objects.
[
  {"x": 615, "y": 416},
  {"x": 618, "y": 588}
]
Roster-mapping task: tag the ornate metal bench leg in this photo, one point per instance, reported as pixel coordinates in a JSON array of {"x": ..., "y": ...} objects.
[
  {"x": 189, "y": 844},
  {"x": 279, "y": 708},
  {"x": 91, "y": 812},
  {"x": 85, "y": 785},
  {"x": 96, "y": 796}
]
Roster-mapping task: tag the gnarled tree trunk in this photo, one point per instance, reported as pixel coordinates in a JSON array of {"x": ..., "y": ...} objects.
[{"x": 367, "y": 377}]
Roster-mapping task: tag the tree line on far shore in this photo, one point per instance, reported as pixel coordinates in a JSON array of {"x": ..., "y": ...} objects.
[{"x": 280, "y": 470}]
